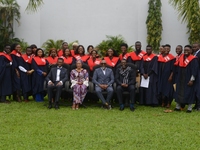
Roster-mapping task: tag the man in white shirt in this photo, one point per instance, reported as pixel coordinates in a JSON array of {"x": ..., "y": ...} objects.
[{"x": 56, "y": 79}]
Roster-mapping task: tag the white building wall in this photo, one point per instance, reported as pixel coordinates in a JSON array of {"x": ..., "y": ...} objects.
[{"x": 89, "y": 21}]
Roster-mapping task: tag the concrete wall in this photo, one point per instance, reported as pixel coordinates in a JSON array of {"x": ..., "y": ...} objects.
[{"x": 89, "y": 21}]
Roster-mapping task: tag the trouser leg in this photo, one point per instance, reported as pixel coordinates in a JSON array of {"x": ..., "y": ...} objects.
[
  {"x": 120, "y": 94},
  {"x": 109, "y": 94}
]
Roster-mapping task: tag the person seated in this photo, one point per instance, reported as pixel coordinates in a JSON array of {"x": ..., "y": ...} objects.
[
  {"x": 80, "y": 54},
  {"x": 52, "y": 57},
  {"x": 56, "y": 79},
  {"x": 79, "y": 78},
  {"x": 125, "y": 79},
  {"x": 67, "y": 57},
  {"x": 103, "y": 79},
  {"x": 112, "y": 59}
]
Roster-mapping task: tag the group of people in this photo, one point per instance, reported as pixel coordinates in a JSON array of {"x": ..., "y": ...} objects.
[{"x": 168, "y": 77}]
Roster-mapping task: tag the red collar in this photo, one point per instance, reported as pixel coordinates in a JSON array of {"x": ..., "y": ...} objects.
[
  {"x": 14, "y": 52},
  {"x": 124, "y": 57},
  {"x": 84, "y": 58},
  {"x": 52, "y": 60},
  {"x": 184, "y": 62},
  {"x": 136, "y": 57},
  {"x": 177, "y": 59},
  {"x": 40, "y": 61},
  {"x": 165, "y": 59},
  {"x": 92, "y": 63},
  {"x": 27, "y": 59},
  {"x": 67, "y": 60},
  {"x": 148, "y": 57},
  {"x": 111, "y": 62},
  {"x": 6, "y": 55}
]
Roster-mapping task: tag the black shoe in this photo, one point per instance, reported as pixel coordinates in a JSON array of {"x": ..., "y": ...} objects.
[
  {"x": 121, "y": 107},
  {"x": 132, "y": 108},
  {"x": 57, "y": 107},
  {"x": 176, "y": 109},
  {"x": 50, "y": 106},
  {"x": 195, "y": 107},
  {"x": 188, "y": 111}
]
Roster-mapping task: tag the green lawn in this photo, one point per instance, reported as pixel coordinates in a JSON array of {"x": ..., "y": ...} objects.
[{"x": 31, "y": 126}]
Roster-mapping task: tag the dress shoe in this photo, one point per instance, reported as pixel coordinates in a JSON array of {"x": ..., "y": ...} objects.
[
  {"x": 50, "y": 106},
  {"x": 121, "y": 107},
  {"x": 106, "y": 105},
  {"x": 132, "y": 108},
  {"x": 188, "y": 111},
  {"x": 176, "y": 109},
  {"x": 57, "y": 107}
]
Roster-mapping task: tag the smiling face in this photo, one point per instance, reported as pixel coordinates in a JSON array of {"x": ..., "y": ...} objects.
[
  {"x": 161, "y": 50},
  {"x": 90, "y": 49},
  {"x": 110, "y": 52},
  {"x": 18, "y": 48},
  {"x": 39, "y": 53},
  {"x": 123, "y": 63},
  {"x": 53, "y": 53},
  {"x": 79, "y": 64},
  {"x": 167, "y": 49},
  {"x": 29, "y": 51},
  {"x": 65, "y": 46},
  {"x": 94, "y": 54},
  {"x": 138, "y": 46},
  {"x": 178, "y": 50},
  {"x": 7, "y": 49},
  {"x": 187, "y": 51},
  {"x": 103, "y": 64},
  {"x": 195, "y": 47},
  {"x": 80, "y": 50},
  {"x": 67, "y": 52},
  {"x": 149, "y": 50},
  {"x": 123, "y": 49}
]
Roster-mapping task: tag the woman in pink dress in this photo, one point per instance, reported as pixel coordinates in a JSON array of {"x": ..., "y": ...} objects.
[{"x": 79, "y": 79}]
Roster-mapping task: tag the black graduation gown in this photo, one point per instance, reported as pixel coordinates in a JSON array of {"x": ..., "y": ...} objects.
[
  {"x": 26, "y": 82},
  {"x": 185, "y": 94},
  {"x": 38, "y": 79},
  {"x": 165, "y": 88},
  {"x": 148, "y": 95},
  {"x": 15, "y": 80},
  {"x": 5, "y": 77},
  {"x": 197, "y": 81}
]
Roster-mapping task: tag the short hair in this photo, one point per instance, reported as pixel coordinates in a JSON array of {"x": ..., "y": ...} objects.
[
  {"x": 114, "y": 52},
  {"x": 167, "y": 45},
  {"x": 124, "y": 60},
  {"x": 124, "y": 44},
  {"x": 33, "y": 46},
  {"x": 60, "y": 59},
  {"x": 70, "y": 54},
  {"x": 76, "y": 52},
  {"x": 6, "y": 45},
  {"x": 75, "y": 44},
  {"x": 36, "y": 53},
  {"x": 149, "y": 46},
  {"x": 64, "y": 43},
  {"x": 94, "y": 51},
  {"x": 137, "y": 42},
  {"x": 89, "y": 47},
  {"x": 189, "y": 46},
  {"x": 180, "y": 46}
]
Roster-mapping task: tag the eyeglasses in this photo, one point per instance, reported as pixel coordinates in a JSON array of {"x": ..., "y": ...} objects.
[{"x": 103, "y": 63}]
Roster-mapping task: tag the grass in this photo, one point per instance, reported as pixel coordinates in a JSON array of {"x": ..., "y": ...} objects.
[{"x": 31, "y": 126}]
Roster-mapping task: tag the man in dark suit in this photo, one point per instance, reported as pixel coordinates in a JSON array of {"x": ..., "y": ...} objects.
[
  {"x": 125, "y": 79},
  {"x": 56, "y": 79},
  {"x": 103, "y": 79}
]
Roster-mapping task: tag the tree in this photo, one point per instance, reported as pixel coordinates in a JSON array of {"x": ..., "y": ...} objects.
[
  {"x": 154, "y": 24},
  {"x": 50, "y": 43},
  {"x": 113, "y": 42},
  {"x": 33, "y": 5},
  {"x": 189, "y": 12},
  {"x": 9, "y": 11}
]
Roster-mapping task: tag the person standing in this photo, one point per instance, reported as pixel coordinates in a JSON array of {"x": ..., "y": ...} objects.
[
  {"x": 40, "y": 66},
  {"x": 16, "y": 58},
  {"x": 186, "y": 76},
  {"x": 80, "y": 54},
  {"x": 149, "y": 69},
  {"x": 125, "y": 79},
  {"x": 5, "y": 74},
  {"x": 165, "y": 77},
  {"x": 103, "y": 79},
  {"x": 26, "y": 74},
  {"x": 125, "y": 54}
]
